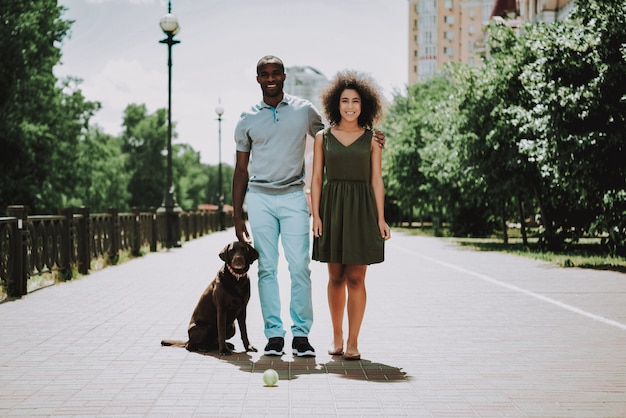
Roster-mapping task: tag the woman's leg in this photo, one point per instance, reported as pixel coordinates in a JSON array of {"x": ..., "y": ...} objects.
[
  {"x": 336, "y": 304},
  {"x": 357, "y": 297}
]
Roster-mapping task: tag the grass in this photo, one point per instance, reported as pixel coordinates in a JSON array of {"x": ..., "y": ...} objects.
[{"x": 588, "y": 253}]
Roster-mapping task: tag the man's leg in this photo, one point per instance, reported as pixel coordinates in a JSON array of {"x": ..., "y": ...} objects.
[
  {"x": 265, "y": 230},
  {"x": 294, "y": 224}
]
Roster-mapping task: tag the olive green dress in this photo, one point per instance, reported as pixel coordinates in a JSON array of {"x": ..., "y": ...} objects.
[{"x": 350, "y": 233}]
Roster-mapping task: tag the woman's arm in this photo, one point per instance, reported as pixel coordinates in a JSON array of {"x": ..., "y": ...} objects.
[
  {"x": 316, "y": 183},
  {"x": 379, "y": 189}
]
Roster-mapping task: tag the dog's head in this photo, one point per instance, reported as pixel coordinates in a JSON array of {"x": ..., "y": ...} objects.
[{"x": 239, "y": 256}]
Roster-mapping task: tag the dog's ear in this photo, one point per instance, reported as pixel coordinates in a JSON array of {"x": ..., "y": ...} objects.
[
  {"x": 224, "y": 252},
  {"x": 253, "y": 254}
]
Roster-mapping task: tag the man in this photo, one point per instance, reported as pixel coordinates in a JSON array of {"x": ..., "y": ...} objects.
[{"x": 270, "y": 140}]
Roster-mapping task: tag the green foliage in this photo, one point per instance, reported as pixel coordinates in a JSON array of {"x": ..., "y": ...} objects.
[
  {"x": 415, "y": 160},
  {"x": 106, "y": 186},
  {"x": 577, "y": 117},
  {"x": 145, "y": 143},
  {"x": 52, "y": 157},
  {"x": 198, "y": 183},
  {"x": 40, "y": 120},
  {"x": 540, "y": 127}
]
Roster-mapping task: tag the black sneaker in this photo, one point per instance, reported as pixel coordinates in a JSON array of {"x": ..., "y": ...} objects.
[
  {"x": 274, "y": 346},
  {"x": 302, "y": 348}
]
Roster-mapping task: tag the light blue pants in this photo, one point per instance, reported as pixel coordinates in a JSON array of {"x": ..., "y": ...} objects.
[{"x": 287, "y": 216}]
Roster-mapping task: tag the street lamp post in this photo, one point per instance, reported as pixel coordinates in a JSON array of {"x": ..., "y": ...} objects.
[
  {"x": 169, "y": 25},
  {"x": 220, "y": 111}
]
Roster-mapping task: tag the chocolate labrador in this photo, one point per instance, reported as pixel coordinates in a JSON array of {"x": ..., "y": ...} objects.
[{"x": 224, "y": 301}]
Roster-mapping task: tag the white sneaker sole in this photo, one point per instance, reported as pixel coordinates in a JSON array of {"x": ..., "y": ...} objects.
[{"x": 304, "y": 353}]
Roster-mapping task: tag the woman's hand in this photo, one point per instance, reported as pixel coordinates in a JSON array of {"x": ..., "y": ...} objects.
[
  {"x": 317, "y": 227},
  {"x": 385, "y": 231}
]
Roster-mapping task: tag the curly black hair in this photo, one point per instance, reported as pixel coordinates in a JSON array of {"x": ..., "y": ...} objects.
[{"x": 364, "y": 84}]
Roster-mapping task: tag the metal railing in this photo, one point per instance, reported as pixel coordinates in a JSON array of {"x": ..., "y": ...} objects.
[{"x": 34, "y": 245}]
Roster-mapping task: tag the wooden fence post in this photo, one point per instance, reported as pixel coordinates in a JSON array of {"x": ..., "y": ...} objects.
[
  {"x": 17, "y": 285},
  {"x": 84, "y": 241},
  {"x": 155, "y": 230},
  {"x": 136, "y": 239},
  {"x": 65, "y": 268},
  {"x": 114, "y": 234}
]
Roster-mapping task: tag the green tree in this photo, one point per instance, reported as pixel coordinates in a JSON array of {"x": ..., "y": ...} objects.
[
  {"x": 411, "y": 128},
  {"x": 576, "y": 123},
  {"x": 40, "y": 119},
  {"x": 190, "y": 176},
  {"x": 212, "y": 186},
  {"x": 540, "y": 125},
  {"x": 101, "y": 155},
  {"x": 144, "y": 143},
  {"x": 491, "y": 97}
]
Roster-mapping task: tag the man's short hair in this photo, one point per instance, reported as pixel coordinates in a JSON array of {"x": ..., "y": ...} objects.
[{"x": 269, "y": 59}]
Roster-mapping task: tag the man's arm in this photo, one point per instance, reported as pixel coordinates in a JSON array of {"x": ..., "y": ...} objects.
[{"x": 240, "y": 184}]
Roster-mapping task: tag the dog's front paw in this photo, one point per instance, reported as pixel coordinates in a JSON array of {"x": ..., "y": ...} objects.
[
  {"x": 225, "y": 351},
  {"x": 250, "y": 347}
]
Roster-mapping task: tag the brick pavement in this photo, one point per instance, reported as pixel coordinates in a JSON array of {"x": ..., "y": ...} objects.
[{"x": 448, "y": 332}]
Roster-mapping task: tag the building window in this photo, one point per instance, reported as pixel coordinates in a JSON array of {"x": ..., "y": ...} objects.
[
  {"x": 471, "y": 29},
  {"x": 447, "y": 50},
  {"x": 449, "y": 4},
  {"x": 448, "y": 19},
  {"x": 448, "y": 35}
]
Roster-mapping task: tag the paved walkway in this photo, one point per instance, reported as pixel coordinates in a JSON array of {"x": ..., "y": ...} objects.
[{"x": 448, "y": 332}]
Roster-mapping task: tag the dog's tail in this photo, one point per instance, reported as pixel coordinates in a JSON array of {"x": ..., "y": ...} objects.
[{"x": 174, "y": 343}]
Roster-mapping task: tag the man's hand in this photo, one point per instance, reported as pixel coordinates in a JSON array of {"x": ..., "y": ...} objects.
[
  {"x": 242, "y": 231},
  {"x": 379, "y": 137}
]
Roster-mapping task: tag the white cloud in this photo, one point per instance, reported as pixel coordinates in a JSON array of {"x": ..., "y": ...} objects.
[{"x": 120, "y": 83}]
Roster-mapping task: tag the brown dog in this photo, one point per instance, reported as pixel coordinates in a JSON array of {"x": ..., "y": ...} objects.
[{"x": 223, "y": 301}]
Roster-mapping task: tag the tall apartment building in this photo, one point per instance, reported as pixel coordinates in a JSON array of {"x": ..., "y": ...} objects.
[
  {"x": 547, "y": 11},
  {"x": 442, "y": 31}
]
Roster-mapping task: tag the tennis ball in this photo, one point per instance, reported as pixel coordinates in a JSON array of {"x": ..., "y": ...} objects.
[{"x": 270, "y": 377}]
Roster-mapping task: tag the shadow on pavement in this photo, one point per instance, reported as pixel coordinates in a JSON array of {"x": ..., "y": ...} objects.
[{"x": 292, "y": 368}]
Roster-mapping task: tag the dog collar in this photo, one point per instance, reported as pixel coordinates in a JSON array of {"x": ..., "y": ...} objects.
[{"x": 234, "y": 273}]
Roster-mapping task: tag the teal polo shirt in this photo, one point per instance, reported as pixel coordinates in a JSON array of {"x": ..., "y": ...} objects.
[{"x": 276, "y": 141}]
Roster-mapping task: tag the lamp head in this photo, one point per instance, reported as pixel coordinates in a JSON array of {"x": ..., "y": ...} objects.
[{"x": 169, "y": 24}]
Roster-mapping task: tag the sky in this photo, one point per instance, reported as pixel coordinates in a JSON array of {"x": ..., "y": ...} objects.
[{"x": 114, "y": 49}]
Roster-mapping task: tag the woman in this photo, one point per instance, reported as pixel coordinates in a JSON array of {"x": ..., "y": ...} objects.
[{"x": 349, "y": 226}]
